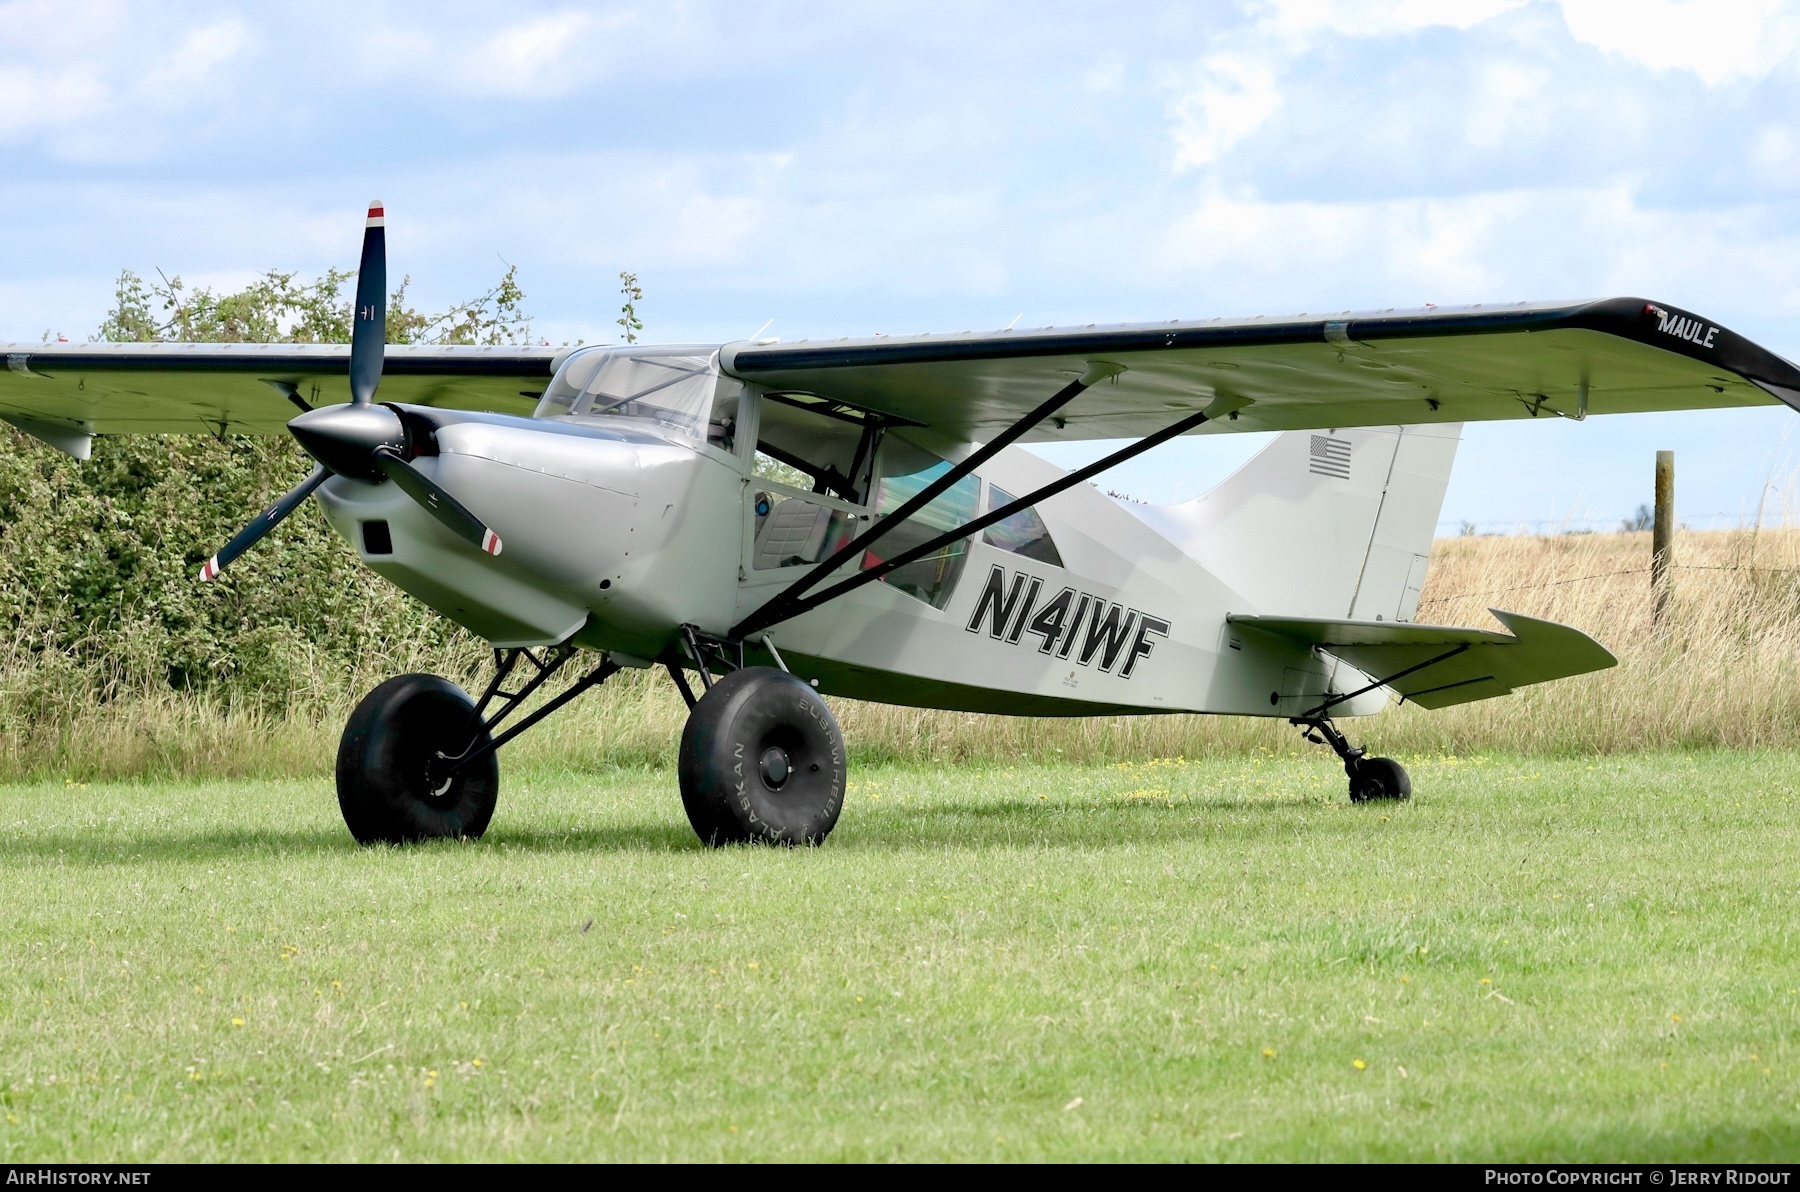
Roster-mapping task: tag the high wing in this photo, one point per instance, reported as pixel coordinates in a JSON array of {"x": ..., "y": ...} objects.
[
  {"x": 1436, "y": 666},
  {"x": 1464, "y": 364},
  {"x": 65, "y": 393}
]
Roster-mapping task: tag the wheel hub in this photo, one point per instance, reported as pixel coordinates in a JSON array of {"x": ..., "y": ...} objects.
[{"x": 775, "y": 767}]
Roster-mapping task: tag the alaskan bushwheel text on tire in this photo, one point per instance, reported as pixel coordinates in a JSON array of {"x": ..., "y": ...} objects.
[
  {"x": 762, "y": 760},
  {"x": 1379, "y": 778},
  {"x": 393, "y": 763}
]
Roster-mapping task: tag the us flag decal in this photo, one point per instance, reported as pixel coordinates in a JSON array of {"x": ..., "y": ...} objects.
[{"x": 1329, "y": 457}]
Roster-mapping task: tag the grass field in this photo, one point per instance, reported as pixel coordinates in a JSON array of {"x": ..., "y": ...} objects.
[{"x": 1540, "y": 958}]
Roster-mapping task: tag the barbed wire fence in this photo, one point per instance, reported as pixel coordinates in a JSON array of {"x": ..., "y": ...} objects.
[{"x": 1577, "y": 579}]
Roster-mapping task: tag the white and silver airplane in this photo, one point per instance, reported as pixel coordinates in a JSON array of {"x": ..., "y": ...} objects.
[{"x": 609, "y": 501}]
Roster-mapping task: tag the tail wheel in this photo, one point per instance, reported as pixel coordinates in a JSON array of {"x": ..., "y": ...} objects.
[
  {"x": 1379, "y": 778},
  {"x": 393, "y": 779},
  {"x": 762, "y": 760}
]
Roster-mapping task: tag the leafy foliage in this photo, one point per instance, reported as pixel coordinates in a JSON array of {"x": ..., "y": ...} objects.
[
  {"x": 628, "y": 315},
  {"x": 279, "y": 308}
]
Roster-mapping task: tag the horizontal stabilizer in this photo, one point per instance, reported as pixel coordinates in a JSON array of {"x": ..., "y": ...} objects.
[{"x": 1436, "y": 666}]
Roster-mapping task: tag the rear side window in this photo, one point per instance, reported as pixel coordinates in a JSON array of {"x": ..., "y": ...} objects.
[{"x": 1024, "y": 533}]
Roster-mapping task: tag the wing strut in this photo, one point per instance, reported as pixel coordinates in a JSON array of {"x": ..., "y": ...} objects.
[
  {"x": 787, "y": 602},
  {"x": 791, "y": 604}
]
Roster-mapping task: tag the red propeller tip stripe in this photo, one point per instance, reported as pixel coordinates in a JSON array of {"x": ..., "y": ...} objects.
[
  {"x": 211, "y": 568},
  {"x": 490, "y": 542},
  {"x": 377, "y": 215}
]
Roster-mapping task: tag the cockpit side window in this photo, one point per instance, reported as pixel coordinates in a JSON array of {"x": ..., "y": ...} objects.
[{"x": 811, "y": 443}]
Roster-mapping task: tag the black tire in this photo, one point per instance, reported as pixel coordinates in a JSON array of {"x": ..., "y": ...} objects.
[
  {"x": 391, "y": 760},
  {"x": 1379, "y": 778},
  {"x": 762, "y": 760}
]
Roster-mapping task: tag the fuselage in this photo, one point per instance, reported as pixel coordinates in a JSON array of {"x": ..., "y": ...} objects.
[{"x": 623, "y": 524}]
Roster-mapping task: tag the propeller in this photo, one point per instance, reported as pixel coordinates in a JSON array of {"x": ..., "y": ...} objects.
[
  {"x": 368, "y": 331},
  {"x": 361, "y": 441},
  {"x": 271, "y": 517}
]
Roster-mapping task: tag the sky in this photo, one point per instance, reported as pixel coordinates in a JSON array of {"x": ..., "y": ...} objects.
[{"x": 849, "y": 169}]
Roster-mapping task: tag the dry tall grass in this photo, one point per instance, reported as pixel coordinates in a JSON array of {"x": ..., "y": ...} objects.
[{"x": 1724, "y": 670}]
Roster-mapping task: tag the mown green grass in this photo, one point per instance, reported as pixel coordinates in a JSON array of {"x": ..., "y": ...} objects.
[{"x": 1537, "y": 959}]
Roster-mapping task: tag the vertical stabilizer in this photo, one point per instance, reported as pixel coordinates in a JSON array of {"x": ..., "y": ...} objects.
[{"x": 1323, "y": 523}]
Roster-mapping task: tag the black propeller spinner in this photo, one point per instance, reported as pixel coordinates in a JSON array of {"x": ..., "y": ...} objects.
[{"x": 362, "y": 440}]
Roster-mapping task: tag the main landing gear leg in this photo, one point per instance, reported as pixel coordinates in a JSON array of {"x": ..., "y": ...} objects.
[{"x": 1371, "y": 778}]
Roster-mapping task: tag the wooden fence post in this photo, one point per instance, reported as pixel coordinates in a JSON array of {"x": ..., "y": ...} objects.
[{"x": 1662, "y": 535}]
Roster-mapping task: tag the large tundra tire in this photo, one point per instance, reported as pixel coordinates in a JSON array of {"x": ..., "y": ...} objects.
[
  {"x": 762, "y": 761},
  {"x": 393, "y": 783}
]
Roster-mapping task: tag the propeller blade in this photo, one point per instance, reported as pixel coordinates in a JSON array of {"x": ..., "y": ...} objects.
[
  {"x": 368, "y": 331},
  {"x": 271, "y": 517},
  {"x": 440, "y": 504}
]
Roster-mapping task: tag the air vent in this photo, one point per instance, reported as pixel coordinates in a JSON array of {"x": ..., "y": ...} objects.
[
  {"x": 376, "y": 539},
  {"x": 1329, "y": 457}
]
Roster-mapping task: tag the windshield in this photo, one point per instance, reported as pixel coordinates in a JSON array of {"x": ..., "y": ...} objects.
[{"x": 672, "y": 386}]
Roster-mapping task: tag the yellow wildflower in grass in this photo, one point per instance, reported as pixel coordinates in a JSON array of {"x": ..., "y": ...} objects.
[
  {"x": 1358, "y": 1065},
  {"x": 237, "y": 1022},
  {"x": 1268, "y": 1053}
]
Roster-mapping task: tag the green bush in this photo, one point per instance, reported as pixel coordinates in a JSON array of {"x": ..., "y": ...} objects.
[
  {"x": 99, "y": 577},
  {"x": 99, "y": 561}
]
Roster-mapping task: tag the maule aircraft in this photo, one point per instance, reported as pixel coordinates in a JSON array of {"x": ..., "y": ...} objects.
[{"x": 607, "y": 503}]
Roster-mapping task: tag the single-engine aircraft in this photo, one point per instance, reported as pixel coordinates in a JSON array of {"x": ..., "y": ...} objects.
[{"x": 608, "y": 503}]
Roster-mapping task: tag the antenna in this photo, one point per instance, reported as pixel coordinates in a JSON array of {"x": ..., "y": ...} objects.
[
  {"x": 760, "y": 330},
  {"x": 1015, "y": 321}
]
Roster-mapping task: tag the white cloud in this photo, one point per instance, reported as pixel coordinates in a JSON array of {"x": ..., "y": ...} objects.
[
  {"x": 1376, "y": 18},
  {"x": 531, "y": 56},
  {"x": 1721, "y": 41},
  {"x": 1236, "y": 94},
  {"x": 189, "y": 67},
  {"x": 1256, "y": 256},
  {"x": 32, "y": 99},
  {"x": 53, "y": 78}
]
